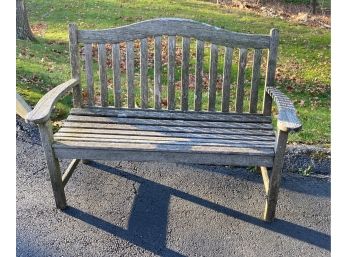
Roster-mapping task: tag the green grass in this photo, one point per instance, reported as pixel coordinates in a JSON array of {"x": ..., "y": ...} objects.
[{"x": 303, "y": 65}]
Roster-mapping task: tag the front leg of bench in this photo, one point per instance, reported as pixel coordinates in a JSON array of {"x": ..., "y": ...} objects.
[
  {"x": 274, "y": 181},
  {"x": 52, "y": 164}
]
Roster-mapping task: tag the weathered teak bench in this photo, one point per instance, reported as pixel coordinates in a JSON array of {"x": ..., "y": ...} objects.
[{"x": 239, "y": 135}]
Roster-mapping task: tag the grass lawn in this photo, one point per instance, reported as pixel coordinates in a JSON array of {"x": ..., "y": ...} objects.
[{"x": 303, "y": 66}]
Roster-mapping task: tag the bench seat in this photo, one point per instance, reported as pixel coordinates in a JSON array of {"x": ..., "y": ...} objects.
[{"x": 169, "y": 136}]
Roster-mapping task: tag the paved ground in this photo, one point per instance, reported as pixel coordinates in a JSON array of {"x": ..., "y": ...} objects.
[{"x": 151, "y": 209}]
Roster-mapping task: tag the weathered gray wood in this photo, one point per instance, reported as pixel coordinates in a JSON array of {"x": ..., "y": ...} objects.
[
  {"x": 75, "y": 64},
  {"x": 161, "y": 139},
  {"x": 43, "y": 108},
  {"x": 226, "y": 86},
  {"x": 187, "y": 157},
  {"x": 274, "y": 183},
  {"x": 143, "y": 74},
  {"x": 86, "y": 132},
  {"x": 177, "y": 129},
  {"x": 102, "y": 75},
  {"x": 171, "y": 115},
  {"x": 171, "y": 72},
  {"x": 155, "y": 146},
  {"x": 240, "y": 79},
  {"x": 271, "y": 70},
  {"x": 157, "y": 73},
  {"x": 199, "y": 75},
  {"x": 185, "y": 69},
  {"x": 52, "y": 164},
  {"x": 89, "y": 73},
  {"x": 130, "y": 73},
  {"x": 116, "y": 74},
  {"x": 69, "y": 171},
  {"x": 22, "y": 108},
  {"x": 287, "y": 117},
  {"x": 212, "y": 77},
  {"x": 265, "y": 178},
  {"x": 183, "y": 123},
  {"x": 255, "y": 82},
  {"x": 173, "y": 27}
]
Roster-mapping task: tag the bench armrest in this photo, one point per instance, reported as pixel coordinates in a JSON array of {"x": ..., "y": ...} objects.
[
  {"x": 287, "y": 117},
  {"x": 43, "y": 108}
]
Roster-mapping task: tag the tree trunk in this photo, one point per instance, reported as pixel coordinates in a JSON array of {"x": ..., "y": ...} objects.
[
  {"x": 23, "y": 30},
  {"x": 314, "y": 6}
]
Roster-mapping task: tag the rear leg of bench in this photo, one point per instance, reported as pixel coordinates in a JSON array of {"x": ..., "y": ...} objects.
[
  {"x": 52, "y": 164},
  {"x": 274, "y": 181}
]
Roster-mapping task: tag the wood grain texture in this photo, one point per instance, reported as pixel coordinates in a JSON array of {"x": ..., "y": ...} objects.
[
  {"x": 240, "y": 79},
  {"x": 89, "y": 73},
  {"x": 171, "y": 72},
  {"x": 69, "y": 171},
  {"x": 52, "y": 164},
  {"x": 174, "y": 27},
  {"x": 287, "y": 118},
  {"x": 22, "y": 108},
  {"x": 186, "y": 157},
  {"x": 102, "y": 75},
  {"x": 274, "y": 183},
  {"x": 42, "y": 111},
  {"x": 271, "y": 69},
  {"x": 176, "y": 129},
  {"x": 185, "y": 69},
  {"x": 116, "y": 70},
  {"x": 199, "y": 75},
  {"x": 212, "y": 77},
  {"x": 130, "y": 74},
  {"x": 157, "y": 73},
  {"x": 75, "y": 63},
  {"x": 226, "y": 85},
  {"x": 162, "y": 122},
  {"x": 255, "y": 81},
  {"x": 170, "y": 115},
  {"x": 143, "y": 74}
]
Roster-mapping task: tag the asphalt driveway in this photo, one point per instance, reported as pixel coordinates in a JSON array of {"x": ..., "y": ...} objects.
[{"x": 157, "y": 209}]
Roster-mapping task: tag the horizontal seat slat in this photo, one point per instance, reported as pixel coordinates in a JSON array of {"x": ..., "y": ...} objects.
[
  {"x": 150, "y": 139},
  {"x": 169, "y": 128},
  {"x": 99, "y": 131},
  {"x": 164, "y": 147},
  {"x": 182, "y": 123},
  {"x": 169, "y": 115}
]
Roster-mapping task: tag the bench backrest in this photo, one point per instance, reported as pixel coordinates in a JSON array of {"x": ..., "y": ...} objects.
[{"x": 134, "y": 42}]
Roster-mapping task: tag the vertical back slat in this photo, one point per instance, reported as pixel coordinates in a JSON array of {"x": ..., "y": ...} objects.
[
  {"x": 75, "y": 64},
  {"x": 212, "y": 76},
  {"x": 240, "y": 79},
  {"x": 116, "y": 74},
  {"x": 130, "y": 73},
  {"x": 171, "y": 70},
  {"x": 143, "y": 74},
  {"x": 226, "y": 86},
  {"x": 255, "y": 82},
  {"x": 271, "y": 70},
  {"x": 89, "y": 73},
  {"x": 185, "y": 73},
  {"x": 102, "y": 75},
  {"x": 199, "y": 75},
  {"x": 157, "y": 73}
]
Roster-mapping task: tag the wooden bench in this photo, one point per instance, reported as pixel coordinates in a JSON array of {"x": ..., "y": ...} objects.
[{"x": 128, "y": 129}]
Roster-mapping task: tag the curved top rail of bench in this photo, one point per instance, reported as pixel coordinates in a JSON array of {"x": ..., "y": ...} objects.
[{"x": 174, "y": 27}]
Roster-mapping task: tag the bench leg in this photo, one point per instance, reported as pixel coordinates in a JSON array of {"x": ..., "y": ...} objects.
[
  {"x": 274, "y": 182},
  {"x": 52, "y": 164}
]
